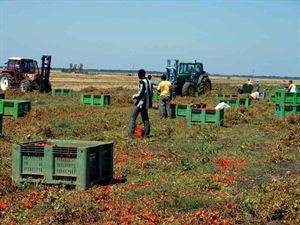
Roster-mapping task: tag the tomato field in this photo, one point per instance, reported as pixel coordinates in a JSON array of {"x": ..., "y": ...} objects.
[{"x": 246, "y": 172}]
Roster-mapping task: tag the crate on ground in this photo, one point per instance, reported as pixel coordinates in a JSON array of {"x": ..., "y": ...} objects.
[
  {"x": 61, "y": 91},
  {"x": 180, "y": 109},
  {"x": 2, "y": 96},
  {"x": 76, "y": 163},
  {"x": 281, "y": 110},
  {"x": 174, "y": 108},
  {"x": 205, "y": 115},
  {"x": 245, "y": 101},
  {"x": 235, "y": 102},
  {"x": 156, "y": 96},
  {"x": 15, "y": 108},
  {"x": 95, "y": 99},
  {"x": 1, "y": 122},
  {"x": 284, "y": 97}
]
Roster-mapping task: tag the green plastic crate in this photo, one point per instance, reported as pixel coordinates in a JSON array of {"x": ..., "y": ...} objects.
[
  {"x": 178, "y": 109},
  {"x": 283, "y": 97},
  {"x": 2, "y": 96},
  {"x": 91, "y": 99},
  {"x": 156, "y": 96},
  {"x": 1, "y": 122},
  {"x": 14, "y": 108},
  {"x": 77, "y": 163},
  {"x": 235, "y": 102},
  {"x": 205, "y": 116},
  {"x": 61, "y": 92},
  {"x": 281, "y": 110}
]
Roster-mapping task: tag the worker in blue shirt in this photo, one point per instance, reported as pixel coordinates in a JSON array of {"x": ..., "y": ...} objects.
[
  {"x": 152, "y": 82},
  {"x": 257, "y": 85}
]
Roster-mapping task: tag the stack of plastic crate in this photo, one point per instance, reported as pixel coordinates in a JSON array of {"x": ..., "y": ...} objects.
[{"x": 286, "y": 103}]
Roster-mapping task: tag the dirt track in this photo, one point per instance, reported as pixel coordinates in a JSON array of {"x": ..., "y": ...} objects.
[{"x": 79, "y": 81}]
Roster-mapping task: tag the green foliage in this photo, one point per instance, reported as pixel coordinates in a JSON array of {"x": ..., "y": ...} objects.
[{"x": 246, "y": 172}]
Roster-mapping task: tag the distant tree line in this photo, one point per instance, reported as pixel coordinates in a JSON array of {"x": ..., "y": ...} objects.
[{"x": 73, "y": 68}]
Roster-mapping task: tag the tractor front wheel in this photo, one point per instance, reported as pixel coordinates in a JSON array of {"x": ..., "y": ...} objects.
[
  {"x": 25, "y": 85},
  {"x": 188, "y": 89},
  {"x": 6, "y": 81}
]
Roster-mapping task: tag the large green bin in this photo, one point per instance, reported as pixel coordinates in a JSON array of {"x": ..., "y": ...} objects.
[
  {"x": 178, "y": 109},
  {"x": 61, "y": 92},
  {"x": 235, "y": 102},
  {"x": 205, "y": 116},
  {"x": 76, "y": 163},
  {"x": 284, "y": 97},
  {"x": 14, "y": 108},
  {"x": 94, "y": 99},
  {"x": 281, "y": 110}
]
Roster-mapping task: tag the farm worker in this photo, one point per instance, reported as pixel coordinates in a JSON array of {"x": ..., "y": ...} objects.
[
  {"x": 257, "y": 85},
  {"x": 152, "y": 82},
  {"x": 254, "y": 95},
  {"x": 292, "y": 87},
  {"x": 165, "y": 97},
  {"x": 249, "y": 82},
  {"x": 143, "y": 102}
]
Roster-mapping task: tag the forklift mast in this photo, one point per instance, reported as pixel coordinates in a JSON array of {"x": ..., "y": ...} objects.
[{"x": 45, "y": 74}]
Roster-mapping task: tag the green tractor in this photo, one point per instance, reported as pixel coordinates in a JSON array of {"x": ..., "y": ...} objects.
[{"x": 188, "y": 78}]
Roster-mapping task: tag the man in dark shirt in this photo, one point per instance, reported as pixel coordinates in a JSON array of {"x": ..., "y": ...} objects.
[{"x": 143, "y": 102}]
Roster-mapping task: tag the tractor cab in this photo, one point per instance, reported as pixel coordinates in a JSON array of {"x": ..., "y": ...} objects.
[
  {"x": 191, "y": 71},
  {"x": 21, "y": 68},
  {"x": 187, "y": 77},
  {"x": 25, "y": 73}
]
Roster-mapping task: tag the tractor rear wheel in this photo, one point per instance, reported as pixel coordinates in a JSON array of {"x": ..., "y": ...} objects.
[
  {"x": 188, "y": 89},
  {"x": 204, "y": 86},
  {"x": 6, "y": 81},
  {"x": 25, "y": 85}
]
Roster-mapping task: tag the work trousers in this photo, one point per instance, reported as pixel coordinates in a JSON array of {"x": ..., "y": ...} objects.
[
  {"x": 165, "y": 106},
  {"x": 145, "y": 118}
]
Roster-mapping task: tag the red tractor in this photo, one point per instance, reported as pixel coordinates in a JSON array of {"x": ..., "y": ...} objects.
[{"x": 25, "y": 73}]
